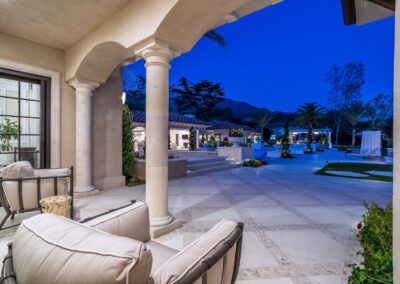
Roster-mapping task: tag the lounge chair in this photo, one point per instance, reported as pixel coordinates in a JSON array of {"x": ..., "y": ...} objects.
[
  {"x": 116, "y": 248},
  {"x": 22, "y": 187}
]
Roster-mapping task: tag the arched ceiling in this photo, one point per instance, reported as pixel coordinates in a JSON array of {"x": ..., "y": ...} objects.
[{"x": 178, "y": 24}]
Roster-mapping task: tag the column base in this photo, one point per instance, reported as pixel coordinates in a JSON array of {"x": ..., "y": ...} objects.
[
  {"x": 156, "y": 232},
  {"x": 80, "y": 189}
]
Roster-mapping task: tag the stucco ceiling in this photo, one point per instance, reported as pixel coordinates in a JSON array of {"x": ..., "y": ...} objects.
[{"x": 57, "y": 23}]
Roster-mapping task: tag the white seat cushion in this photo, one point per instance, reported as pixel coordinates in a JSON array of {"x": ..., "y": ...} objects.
[
  {"x": 160, "y": 253},
  {"x": 188, "y": 259},
  {"x": 52, "y": 249}
]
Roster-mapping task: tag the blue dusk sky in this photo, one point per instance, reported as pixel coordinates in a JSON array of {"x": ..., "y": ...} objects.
[{"x": 277, "y": 58}]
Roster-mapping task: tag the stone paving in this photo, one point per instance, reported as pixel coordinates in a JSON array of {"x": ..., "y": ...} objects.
[{"x": 299, "y": 227}]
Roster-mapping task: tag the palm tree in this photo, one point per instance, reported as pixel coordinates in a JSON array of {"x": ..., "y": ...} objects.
[
  {"x": 262, "y": 119},
  {"x": 354, "y": 113},
  {"x": 310, "y": 114},
  {"x": 215, "y": 37}
]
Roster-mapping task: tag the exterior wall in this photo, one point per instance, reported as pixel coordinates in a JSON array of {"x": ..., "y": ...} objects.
[
  {"x": 107, "y": 133},
  {"x": 176, "y": 168},
  {"x": 22, "y": 51}
]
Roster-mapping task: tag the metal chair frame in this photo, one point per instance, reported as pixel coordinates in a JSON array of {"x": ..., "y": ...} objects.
[{"x": 10, "y": 212}]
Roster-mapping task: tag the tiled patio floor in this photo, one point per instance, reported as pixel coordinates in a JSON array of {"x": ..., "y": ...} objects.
[{"x": 299, "y": 227}]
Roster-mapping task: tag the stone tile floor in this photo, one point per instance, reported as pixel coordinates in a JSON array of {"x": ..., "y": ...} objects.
[{"x": 299, "y": 227}]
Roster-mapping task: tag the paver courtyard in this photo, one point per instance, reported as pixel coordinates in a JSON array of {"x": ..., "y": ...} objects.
[{"x": 299, "y": 227}]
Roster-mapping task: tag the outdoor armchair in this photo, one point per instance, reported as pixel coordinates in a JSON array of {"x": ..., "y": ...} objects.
[
  {"x": 22, "y": 187},
  {"x": 116, "y": 248}
]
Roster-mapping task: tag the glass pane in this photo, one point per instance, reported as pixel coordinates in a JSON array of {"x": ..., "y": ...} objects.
[
  {"x": 8, "y": 134},
  {"x": 8, "y": 106},
  {"x": 30, "y": 108},
  {"x": 6, "y": 159},
  {"x": 30, "y": 126},
  {"x": 30, "y": 149},
  {"x": 30, "y": 91},
  {"x": 8, "y": 88}
]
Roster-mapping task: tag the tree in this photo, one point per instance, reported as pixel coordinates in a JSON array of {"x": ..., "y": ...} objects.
[
  {"x": 199, "y": 98},
  {"x": 354, "y": 113},
  {"x": 309, "y": 114},
  {"x": 262, "y": 119},
  {"x": 192, "y": 139},
  {"x": 346, "y": 82},
  {"x": 286, "y": 142},
  {"x": 136, "y": 97},
  {"x": 380, "y": 110},
  {"x": 127, "y": 143}
]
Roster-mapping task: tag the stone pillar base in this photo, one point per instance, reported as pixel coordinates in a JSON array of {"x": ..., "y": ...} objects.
[
  {"x": 156, "y": 232},
  {"x": 81, "y": 194}
]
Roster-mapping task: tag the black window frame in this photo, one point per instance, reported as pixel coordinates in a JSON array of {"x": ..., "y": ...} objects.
[{"x": 45, "y": 110}]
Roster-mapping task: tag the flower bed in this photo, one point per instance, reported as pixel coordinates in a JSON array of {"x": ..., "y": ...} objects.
[{"x": 254, "y": 163}]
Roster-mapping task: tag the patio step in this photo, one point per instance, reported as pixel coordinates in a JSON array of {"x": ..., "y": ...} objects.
[{"x": 209, "y": 165}]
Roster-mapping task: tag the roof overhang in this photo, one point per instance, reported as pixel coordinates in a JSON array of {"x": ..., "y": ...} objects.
[{"x": 361, "y": 12}]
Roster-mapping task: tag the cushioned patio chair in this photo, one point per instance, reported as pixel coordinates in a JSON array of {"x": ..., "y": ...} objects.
[
  {"x": 116, "y": 248},
  {"x": 22, "y": 187}
]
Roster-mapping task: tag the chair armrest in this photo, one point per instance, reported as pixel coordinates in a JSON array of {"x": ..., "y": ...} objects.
[
  {"x": 130, "y": 221},
  {"x": 51, "y": 172},
  {"x": 214, "y": 256}
]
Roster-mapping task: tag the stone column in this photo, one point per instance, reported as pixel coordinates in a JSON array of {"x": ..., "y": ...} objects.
[
  {"x": 83, "y": 139},
  {"x": 157, "y": 111},
  {"x": 396, "y": 153}
]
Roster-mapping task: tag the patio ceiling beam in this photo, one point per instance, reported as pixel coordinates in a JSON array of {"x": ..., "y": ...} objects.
[{"x": 388, "y": 4}]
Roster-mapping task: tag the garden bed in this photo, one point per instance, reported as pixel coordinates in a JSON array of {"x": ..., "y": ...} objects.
[{"x": 363, "y": 169}]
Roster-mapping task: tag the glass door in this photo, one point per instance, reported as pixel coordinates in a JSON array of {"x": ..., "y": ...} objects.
[{"x": 23, "y": 119}]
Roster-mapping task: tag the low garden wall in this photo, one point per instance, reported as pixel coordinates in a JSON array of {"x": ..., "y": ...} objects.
[
  {"x": 176, "y": 168},
  {"x": 193, "y": 153},
  {"x": 236, "y": 153}
]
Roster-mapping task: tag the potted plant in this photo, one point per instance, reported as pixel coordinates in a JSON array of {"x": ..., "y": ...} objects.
[{"x": 9, "y": 130}]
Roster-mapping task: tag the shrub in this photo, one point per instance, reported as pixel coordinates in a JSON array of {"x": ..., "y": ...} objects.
[
  {"x": 255, "y": 163},
  {"x": 127, "y": 143},
  {"x": 192, "y": 139},
  {"x": 225, "y": 142},
  {"x": 212, "y": 143},
  {"x": 376, "y": 239},
  {"x": 342, "y": 148}
]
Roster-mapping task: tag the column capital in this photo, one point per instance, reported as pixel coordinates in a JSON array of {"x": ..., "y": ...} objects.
[
  {"x": 82, "y": 85},
  {"x": 157, "y": 54}
]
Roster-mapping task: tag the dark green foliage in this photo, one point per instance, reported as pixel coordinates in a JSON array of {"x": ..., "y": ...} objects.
[
  {"x": 249, "y": 142},
  {"x": 267, "y": 133},
  {"x": 362, "y": 168},
  {"x": 136, "y": 98},
  {"x": 254, "y": 163},
  {"x": 199, "y": 98},
  {"x": 285, "y": 142},
  {"x": 310, "y": 115},
  {"x": 376, "y": 239},
  {"x": 212, "y": 143},
  {"x": 8, "y": 130},
  {"x": 225, "y": 142},
  {"x": 127, "y": 143},
  {"x": 192, "y": 139}
]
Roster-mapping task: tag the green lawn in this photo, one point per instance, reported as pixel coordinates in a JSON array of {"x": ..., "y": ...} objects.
[{"x": 357, "y": 168}]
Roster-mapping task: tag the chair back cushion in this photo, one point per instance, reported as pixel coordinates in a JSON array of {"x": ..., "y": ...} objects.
[
  {"x": 186, "y": 261},
  {"x": 131, "y": 221},
  {"x": 52, "y": 249},
  {"x": 18, "y": 170},
  {"x": 30, "y": 188}
]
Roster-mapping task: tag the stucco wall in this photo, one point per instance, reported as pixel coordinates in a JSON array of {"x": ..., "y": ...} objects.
[
  {"x": 23, "y": 51},
  {"x": 107, "y": 133}
]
